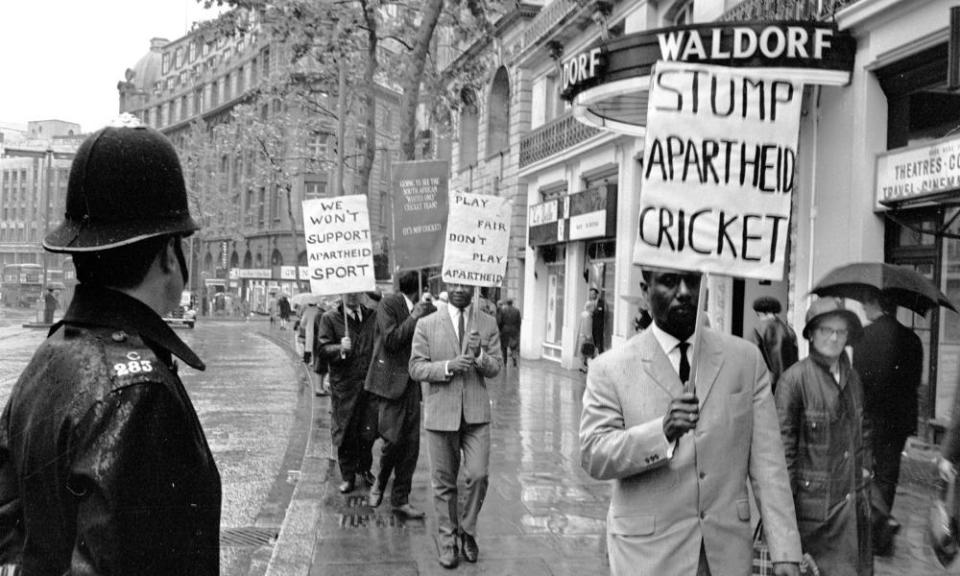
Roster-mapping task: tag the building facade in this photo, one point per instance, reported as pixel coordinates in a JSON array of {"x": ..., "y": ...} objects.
[
  {"x": 34, "y": 171},
  {"x": 251, "y": 246}
]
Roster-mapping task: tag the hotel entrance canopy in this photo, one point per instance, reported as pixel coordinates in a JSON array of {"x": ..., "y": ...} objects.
[{"x": 608, "y": 84}]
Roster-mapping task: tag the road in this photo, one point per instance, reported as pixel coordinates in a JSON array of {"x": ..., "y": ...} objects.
[{"x": 247, "y": 403}]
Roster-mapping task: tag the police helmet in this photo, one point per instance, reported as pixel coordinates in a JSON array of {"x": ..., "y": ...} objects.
[{"x": 125, "y": 185}]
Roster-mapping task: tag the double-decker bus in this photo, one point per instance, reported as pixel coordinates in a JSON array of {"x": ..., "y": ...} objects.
[{"x": 21, "y": 285}]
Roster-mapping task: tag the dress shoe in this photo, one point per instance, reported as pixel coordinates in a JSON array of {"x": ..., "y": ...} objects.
[
  {"x": 346, "y": 486},
  {"x": 409, "y": 511},
  {"x": 375, "y": 497},
  {"x": 448, "y": 557},
  {"x": 470, "y": 548},
  {"x": 368, "y": 478}
]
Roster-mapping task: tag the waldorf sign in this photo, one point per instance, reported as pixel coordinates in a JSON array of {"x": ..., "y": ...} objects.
[{"x": 609, "y": 83}]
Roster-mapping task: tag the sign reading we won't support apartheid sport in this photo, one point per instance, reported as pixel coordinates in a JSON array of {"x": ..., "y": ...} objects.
[
  {"x": 718, "y": 170},
  {"x": 339, "y": 250},
  {"x": 478, "y": 236}
]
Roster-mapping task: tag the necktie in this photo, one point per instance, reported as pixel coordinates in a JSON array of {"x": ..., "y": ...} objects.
[
  {"x": 356, "y": 316},
  {"x": 684, "y": 363},
  {"x": 460, "y": 326}
]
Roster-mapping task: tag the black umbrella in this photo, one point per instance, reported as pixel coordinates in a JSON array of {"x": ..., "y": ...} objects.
[{"x": 903, "y": 285}]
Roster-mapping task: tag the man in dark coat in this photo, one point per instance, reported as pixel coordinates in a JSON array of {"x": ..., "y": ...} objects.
[
  {"x": 889, "y": 359},
  {"x": 508, "y": 321},
  {"x": 347, "y": 349},
  {"x": 598, "y": 326},
  {"x": 104, "y": 467},
  {"x": 397, "y": 396},
  {"x": 283, "y": 306},
  {"x": 775, "y": 338}
]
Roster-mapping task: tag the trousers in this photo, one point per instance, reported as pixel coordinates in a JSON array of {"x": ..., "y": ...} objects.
[{"x": 445, "y": 448}]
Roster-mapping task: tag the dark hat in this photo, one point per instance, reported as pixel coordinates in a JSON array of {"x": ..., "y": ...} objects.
[
  {"x": 126, "y": 185},
  {"x": 825, "y": 307},
  {"x": 767, "y": 304}
]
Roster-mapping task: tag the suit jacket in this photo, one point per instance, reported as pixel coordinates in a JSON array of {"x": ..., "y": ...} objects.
[
  {"x": 664, "y": 504},
  {"x": 389, "y": 373},
  {"x": 450, "y": 398}
]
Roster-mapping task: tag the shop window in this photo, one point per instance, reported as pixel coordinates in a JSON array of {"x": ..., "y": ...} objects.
[{"x": 554, "y": 256}]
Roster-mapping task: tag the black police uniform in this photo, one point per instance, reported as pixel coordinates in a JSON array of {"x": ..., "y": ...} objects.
[{"x": 104, "y": 468}]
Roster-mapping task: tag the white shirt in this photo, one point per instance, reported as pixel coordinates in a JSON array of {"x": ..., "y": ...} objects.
[
  {"x": 409, "y": 303},
  {"x": 671, "y": 347},
  {"x": 455, "y": 313},
  {"x": 455, "y": 318}
]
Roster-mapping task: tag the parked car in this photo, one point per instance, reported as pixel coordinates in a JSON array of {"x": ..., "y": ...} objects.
[{"x": 185, "y": 314}]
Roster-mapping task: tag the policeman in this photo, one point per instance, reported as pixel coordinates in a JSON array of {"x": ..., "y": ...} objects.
[{"x": 104, "y": 468}]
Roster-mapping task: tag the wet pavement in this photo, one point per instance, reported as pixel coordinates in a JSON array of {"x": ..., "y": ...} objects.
[
  {"x": 283, "y": 514},
  {"x": 543, "y": 515}
]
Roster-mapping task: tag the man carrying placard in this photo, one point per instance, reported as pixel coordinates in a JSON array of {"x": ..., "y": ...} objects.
[
  {"x": 681, "y": 417},
  {"x": 454, "y": 351}
]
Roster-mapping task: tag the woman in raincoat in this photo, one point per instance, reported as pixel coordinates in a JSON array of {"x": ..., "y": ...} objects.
[{"x": 820, "y": 405}]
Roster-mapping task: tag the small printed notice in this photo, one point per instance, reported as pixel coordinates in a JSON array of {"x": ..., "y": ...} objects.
[
  {"x": 718, "y": 171},
  {"x": 339, "y": 249},
  {"x": 478, "y": 237}
]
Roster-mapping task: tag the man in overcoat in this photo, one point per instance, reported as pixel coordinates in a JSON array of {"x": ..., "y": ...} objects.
[
  {"x": 681, "y": 444},
  {"x": 508, "y": 321},
  {"x": 347, "y": 349},
  {"x": 454, "y": 352},
  {"x": 396, "y": 395},
  {"x": 775, "y": 338},
  {"x": 889, "y": 359}
]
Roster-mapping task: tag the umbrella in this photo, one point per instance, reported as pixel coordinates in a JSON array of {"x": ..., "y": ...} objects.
[
  {"x": 902, "y": 284},
  {"x": 304, "y": 298}
]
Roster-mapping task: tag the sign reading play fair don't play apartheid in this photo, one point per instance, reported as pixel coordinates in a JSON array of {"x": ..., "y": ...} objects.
[
  {"x": 718, "y": 171},
  {"x": 339, "y": 250},
  {"x": 478, "y": 237}
]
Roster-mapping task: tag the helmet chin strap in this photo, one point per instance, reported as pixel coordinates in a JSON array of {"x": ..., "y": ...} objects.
[{"x": 184, "y": 271}]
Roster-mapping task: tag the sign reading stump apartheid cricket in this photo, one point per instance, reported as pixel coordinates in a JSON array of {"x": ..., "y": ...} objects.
[
  {"x": 478, "y": 236},
  {"x": 718, "y": 170},
  {"x": 339, "y": 250}
]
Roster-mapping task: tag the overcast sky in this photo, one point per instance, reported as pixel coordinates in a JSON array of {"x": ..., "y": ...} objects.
[{"x": 62, "y": 59}]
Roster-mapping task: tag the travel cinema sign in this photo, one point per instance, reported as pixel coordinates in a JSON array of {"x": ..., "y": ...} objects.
[{"x": 609, "y": 83}]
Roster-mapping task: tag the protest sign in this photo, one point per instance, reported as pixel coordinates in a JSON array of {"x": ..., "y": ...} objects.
[
  {"x": 339, "y": 251},
  {"x": 478, "y": 236},
  {"x": 718, "y": 171},
  {"x": 420, "y": 213}
]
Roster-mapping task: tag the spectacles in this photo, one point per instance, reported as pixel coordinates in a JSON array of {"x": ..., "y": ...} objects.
[{"x": 827, "y": 332}]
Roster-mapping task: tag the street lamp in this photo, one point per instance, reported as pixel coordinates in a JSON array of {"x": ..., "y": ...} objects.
[{"x": 48, "y": 176}]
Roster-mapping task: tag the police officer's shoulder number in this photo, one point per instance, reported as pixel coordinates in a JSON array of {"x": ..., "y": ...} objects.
[{"x": 129, "y": 358}]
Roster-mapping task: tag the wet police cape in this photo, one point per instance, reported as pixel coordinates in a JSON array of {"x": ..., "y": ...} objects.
[{"x": 718, "y": 170}]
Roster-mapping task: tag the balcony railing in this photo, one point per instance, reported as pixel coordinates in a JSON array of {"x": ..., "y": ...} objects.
[
  {"x": 553, "y": 138},
  {"x": 784, "y": 10},
  {"x": 549, "y": 17}
]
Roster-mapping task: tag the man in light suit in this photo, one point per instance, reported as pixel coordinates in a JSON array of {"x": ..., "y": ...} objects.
[
  {"x": 681, "y": 455},
  {"x": 397, "y": 395},
  {"x": 454, "y": 351}
]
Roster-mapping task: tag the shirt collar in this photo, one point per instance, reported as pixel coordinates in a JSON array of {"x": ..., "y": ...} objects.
[
  {"x": 408, "y": 301},
  {"x": 668, "y": 342},
  {"x": 98, "y": 306}
]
